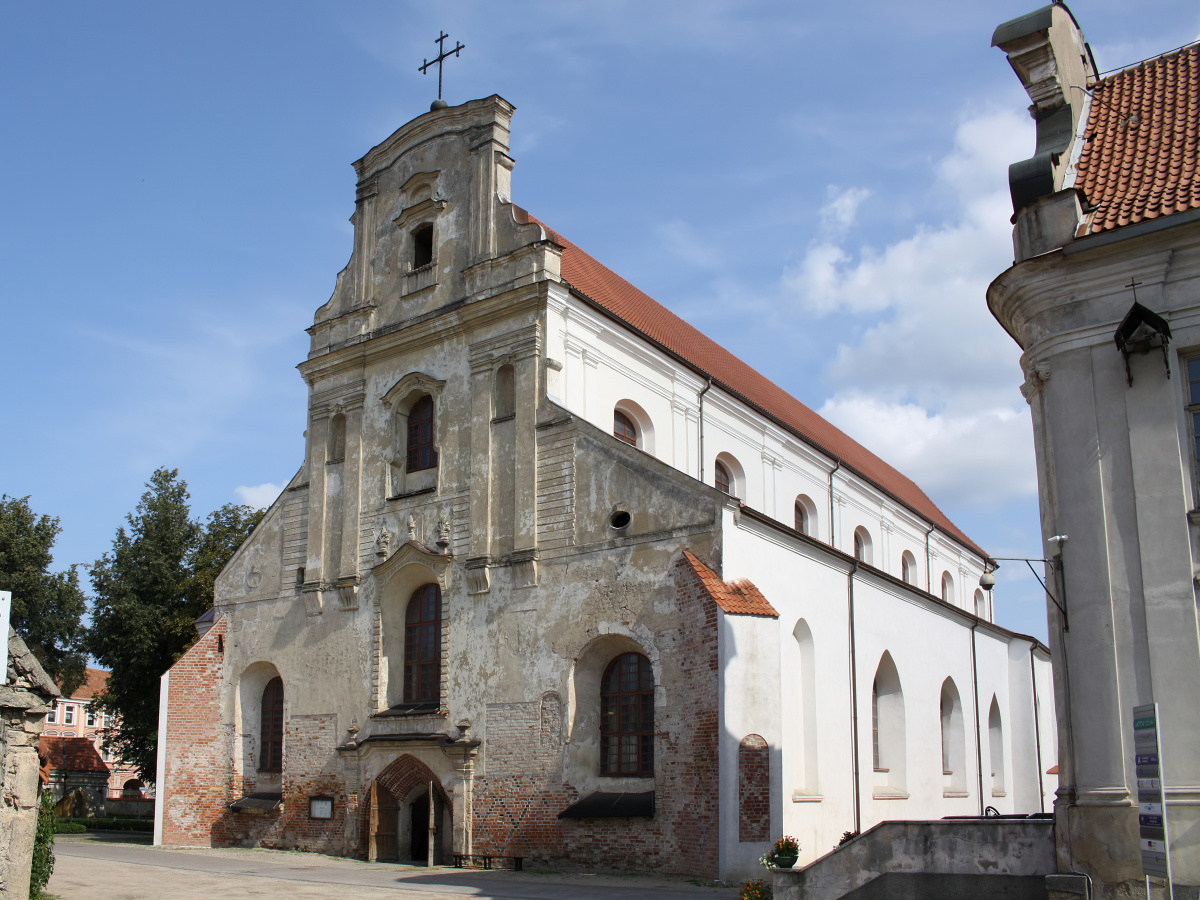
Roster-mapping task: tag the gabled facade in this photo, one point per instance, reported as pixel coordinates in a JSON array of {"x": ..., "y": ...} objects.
[
  {"x": 567, "y": 580},
  {"x": 1104, "y": 299}
]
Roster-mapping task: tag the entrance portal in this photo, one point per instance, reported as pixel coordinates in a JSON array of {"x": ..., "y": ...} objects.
[{"x": 396, "y": 820}]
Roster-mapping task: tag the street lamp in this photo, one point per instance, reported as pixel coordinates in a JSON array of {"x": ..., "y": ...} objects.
[{"x": 987, "y": 581}]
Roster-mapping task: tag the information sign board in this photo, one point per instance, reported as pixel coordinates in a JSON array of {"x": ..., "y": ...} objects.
[{"x": 1152, "y": 814}]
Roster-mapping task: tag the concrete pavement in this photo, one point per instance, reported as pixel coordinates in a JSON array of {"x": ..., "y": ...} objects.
[{"x": 105, "y": 868}]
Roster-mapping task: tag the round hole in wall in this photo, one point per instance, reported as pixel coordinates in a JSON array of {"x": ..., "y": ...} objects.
[{"x": 619, "y": 519}]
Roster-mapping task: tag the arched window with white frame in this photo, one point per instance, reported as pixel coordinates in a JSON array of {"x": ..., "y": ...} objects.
[
  {"x": 806, "y": 515},
  {"x": 728, "y": 475},
  {"x": 908, "y": 567},
  {"x": 947, "y": 587},
  {"x": 862, "y": 545},
  {"x": 633, "y": 425},
  {"x": 954, "y": 746}
]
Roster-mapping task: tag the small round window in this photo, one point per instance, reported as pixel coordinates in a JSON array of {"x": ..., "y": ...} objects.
[{"x": 620, "y": 519}]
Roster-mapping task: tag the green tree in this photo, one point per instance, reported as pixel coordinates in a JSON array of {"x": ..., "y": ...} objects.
[
  {"x": 47, "y": 607},
  {"x": 149, "y": 590}
]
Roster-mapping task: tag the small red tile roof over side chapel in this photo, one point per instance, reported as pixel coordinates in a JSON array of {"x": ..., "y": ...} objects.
[
  {"x": 1141, "y": 156},
  {"x": 739, "y": 598},
  {"x": 626, "y": 303}
]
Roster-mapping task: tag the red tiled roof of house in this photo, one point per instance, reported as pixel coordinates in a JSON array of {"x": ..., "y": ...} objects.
[
  {"x": 69, "y": 754},
  {"x": 93, "y": 684},
  {"x": 624, "y": 301},
  {"x": 1140, "y": 156},
  {"x": 739, "y": 598}
]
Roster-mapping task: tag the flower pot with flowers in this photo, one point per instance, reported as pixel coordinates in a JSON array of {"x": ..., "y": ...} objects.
[
  {"x": 783, "y": 855},
  {"x": 754, "y": 889}
]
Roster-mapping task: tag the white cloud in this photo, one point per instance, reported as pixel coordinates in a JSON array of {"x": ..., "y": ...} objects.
[
  {"x": 982, "y": 459},
  {"x": 925, "y": 376},
  {"x": 259, "y": 496},
  {"x": 842, "y": 209}
]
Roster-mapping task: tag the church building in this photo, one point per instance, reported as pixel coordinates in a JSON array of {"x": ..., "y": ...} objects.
[{"x": 560, "y": 579}]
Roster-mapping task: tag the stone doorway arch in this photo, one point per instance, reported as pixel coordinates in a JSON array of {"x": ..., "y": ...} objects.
[{"x": 397, "y": 816}]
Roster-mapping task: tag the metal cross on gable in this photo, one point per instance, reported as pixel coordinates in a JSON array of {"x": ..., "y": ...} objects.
[{"x": 443, "y": 54}]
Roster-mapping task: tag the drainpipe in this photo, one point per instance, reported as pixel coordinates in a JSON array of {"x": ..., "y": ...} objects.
[
  {"x": 975, "y": 701},
  {"x": 854, "y": 700},
  {"x": 700, "y": 400},
  {"x": 832, "y": 472},
  {"x": 1037, "y": 730},
  {"x": 928, "y": 562}
]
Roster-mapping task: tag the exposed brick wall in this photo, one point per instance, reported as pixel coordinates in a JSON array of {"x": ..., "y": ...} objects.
[
  {"x": 754, "y": 789},
  {"x": 199, "y": 785},
  {"x": 195, "y": 791},
  {"x": 517, "y": 813}
]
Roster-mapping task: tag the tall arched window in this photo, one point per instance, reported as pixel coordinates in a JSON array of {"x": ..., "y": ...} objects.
[
  {"x": 721, "y": 477},
  {"x": 954, "y": 751},
  {"x": 623, "y": 428},
  {"x": 808, "y": 704},
  {"x": 980, "y": 604},
  {"x": 908, "y": 568},
  {"x": 801, "y": 516},
  {"x": 270, "y": 735},
  {"x": 421, "y": 454},
  {"x": 889, "y": 748},
  {"x": 627, "y": 716},
  {"x": 423, "y": 646},
  {"x": 996, "y": 746},
  {"x": 947, "y": 587}
]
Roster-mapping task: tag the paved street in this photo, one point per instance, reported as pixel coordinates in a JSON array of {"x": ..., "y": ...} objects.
[{"x": 91, "y": 867}]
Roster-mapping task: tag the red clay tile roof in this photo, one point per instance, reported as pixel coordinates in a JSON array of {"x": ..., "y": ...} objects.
[
  {"x": 621, "y": 299},
  {"x": 93, "y": 684},
  {"x": 739, "y": 598},
  {"x": 70, "y": 754},
  {"x": 1140, "y": 155}
]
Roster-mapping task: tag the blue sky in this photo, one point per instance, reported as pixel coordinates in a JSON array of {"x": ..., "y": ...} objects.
[{"x": 821, "y": 187}]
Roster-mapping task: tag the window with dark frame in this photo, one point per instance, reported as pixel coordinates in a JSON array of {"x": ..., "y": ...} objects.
[
  {"x": 623, "y": 428},
  {"x": 860, "y": 547},
  {"x": 627, "y": 717},
  {"x": 270, "y": 736},
  {"x": 801, "y": 518},
  {"x": 721, "y": 477},
  {"x": 423, "y": 646},
  {"x": 421, "y": 454},
  {"x": 422, "y": 246}
]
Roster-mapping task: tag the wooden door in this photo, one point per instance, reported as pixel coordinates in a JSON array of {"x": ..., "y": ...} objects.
[{"x": 384, "y": 818}]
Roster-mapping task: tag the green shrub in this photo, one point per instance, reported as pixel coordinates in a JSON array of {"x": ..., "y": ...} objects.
[
  {"x": 62, "y": 826},
  {"x": 754, "y": 889},
  {"x": 43, "y": 847},
  {"x": 113, "y": 823}
]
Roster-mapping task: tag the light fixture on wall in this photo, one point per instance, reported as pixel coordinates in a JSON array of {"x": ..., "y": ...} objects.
[{"x": 987, "y": 580}]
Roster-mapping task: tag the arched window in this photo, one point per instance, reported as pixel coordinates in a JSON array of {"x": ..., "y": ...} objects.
[
  {"x": 627, "y": 716},
  {"x": 953, "y": 742},
  {"x": 888, "y": 729},
  {"x": 721, "y": 477},
  {"x": 908, "y": 568},
  {"x": 270, "y": 735},
  {"x": 808, "y": 705},
  {"x": 131, "y": 788},
  {"x": 421, "y": 454},
  {"x": 506, "y": 396},
  {"x": 862, "y": 545},
  {"x": 996, "y": 746},
  {"x": 422, "y": 246},
  {"x": 337, "y": 438},
  {"x": 754, "y": 789},
  {"x": 803, "y": 517},
  {"x": 947, "y": 587},
  {"x": 423, "y": 646},
  {"x": 980, "y": 604},
  {"x": 623, "y": 428}
]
